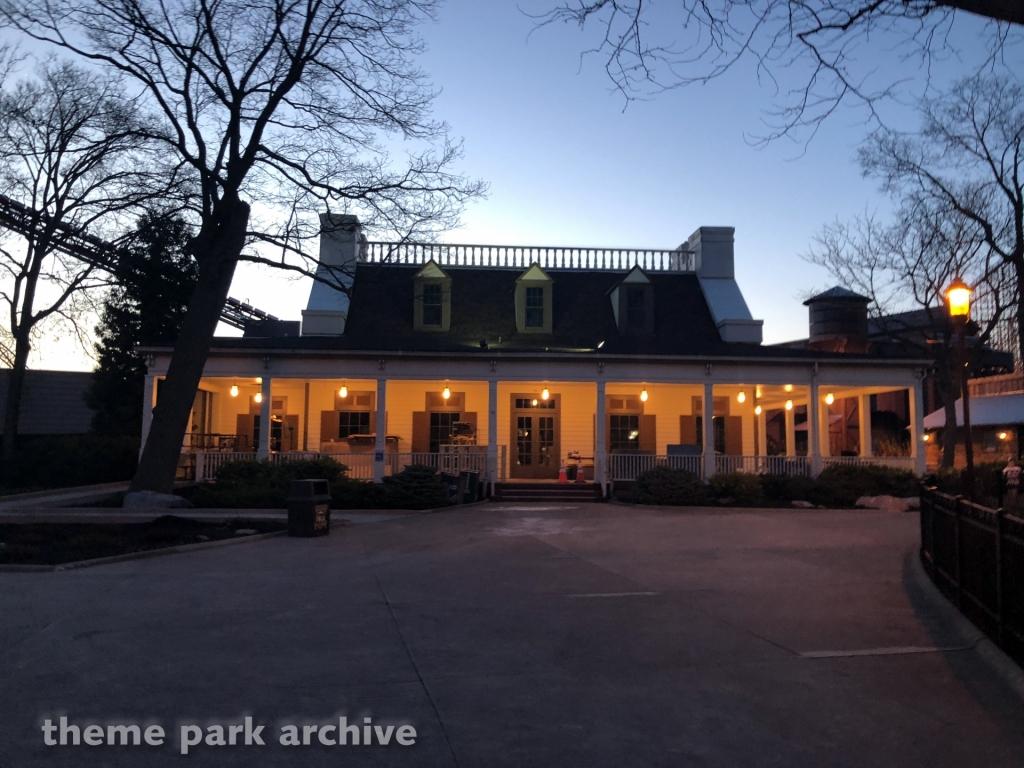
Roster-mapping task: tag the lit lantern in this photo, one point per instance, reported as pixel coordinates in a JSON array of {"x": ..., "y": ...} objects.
[
  {"x": 1004, "y": 435},
  {"x": 789, "y": 405},
  {"x": 788, "y": 387},
  {"x": 343, "y": 392},
  {"x": 258, "y": 397},
  {"x": 757, "y": 409},
  {"x": 544, "y": 394},
  {"x": 830, "y": 398},
  {"x": 958, "y": 299},
  {"x": 234, "y": 390},
  {"x": 446, "y": 393},
  {"x": 926, "y": 437},
  {"x": 741, "y": 397},
  {"x": 643, "y": 395}
]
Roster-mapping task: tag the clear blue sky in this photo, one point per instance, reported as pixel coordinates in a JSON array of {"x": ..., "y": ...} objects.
[{"x": 567, "y": 166}]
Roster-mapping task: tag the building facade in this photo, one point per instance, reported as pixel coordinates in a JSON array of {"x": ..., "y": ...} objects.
[{"x": 519, "y": 362}]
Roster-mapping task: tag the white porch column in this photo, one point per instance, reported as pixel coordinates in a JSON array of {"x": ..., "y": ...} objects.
[
  {"x": 825, "y": 425},
  {"x": 917, "y": 449},
  {"x": 864, "y": 422},
  {"x": 492, "y": 433},
  {"x": 380, "y": 428},
  {"x": 600, "y": 454},
  {"x": 148, "y": 395},
  {"x": 814, "y": 429},
  {"x": 762, "y": 433},
  {"x": 708, "y": 419},
  {"x": 790, "y": 432},
  {"x": 263, "y": 449}
]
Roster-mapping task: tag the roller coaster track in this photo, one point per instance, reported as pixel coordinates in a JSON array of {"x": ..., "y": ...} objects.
[{"x": 99, "y": 253}]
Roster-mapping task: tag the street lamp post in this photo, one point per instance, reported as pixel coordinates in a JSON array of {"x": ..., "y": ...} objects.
[{"x": 958, "y": 299}]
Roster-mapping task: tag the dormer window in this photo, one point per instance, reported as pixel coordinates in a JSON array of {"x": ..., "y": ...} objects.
[
  {"x": 533, "y": 301},
  {"x": 432, "y": 304},
  {"x": 534, "y": 307},
  {"x": 432, "y": 298},
  {"x": 633, "y": 304}
]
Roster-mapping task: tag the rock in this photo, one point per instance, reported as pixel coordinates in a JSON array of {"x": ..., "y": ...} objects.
[
  {"x": 802, "y": 504},
  {"x": 153, "y": 500},
  {"x": 245, "y": 532},
  {"x": 884, "y": 503}
]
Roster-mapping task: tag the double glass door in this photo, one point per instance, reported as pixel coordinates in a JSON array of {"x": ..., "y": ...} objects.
[{"x": 535, "y": 436}]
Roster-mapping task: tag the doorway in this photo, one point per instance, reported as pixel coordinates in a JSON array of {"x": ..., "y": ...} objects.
[{"x": 535, "y": 436}]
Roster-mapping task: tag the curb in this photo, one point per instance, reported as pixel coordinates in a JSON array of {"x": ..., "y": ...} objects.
[
  {"x": 180, "y": 549},
  {"x": 991, "y": 654}
]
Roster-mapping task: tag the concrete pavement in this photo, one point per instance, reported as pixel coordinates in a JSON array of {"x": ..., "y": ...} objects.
[{"x": 518, "y": 635}]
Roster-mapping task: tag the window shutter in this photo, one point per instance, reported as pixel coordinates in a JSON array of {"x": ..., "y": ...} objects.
[
  {"x": 328, "y": 427},
  {"x": 420, "y": 432},
  {"x": 648, "y": 434},
  {"x": 244, "y": 430},
  {"x": 733, "y": 435},
  {"x": 688, "y": 430}
]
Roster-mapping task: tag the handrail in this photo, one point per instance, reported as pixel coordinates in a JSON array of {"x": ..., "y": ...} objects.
[{"x": 522, "y": 256}]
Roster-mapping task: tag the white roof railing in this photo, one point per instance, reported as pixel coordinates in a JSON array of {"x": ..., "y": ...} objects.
[{"x": 522, "y": 257}]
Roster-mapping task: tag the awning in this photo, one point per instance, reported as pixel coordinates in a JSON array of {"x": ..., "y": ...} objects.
[{"x": 987, "y": 411}]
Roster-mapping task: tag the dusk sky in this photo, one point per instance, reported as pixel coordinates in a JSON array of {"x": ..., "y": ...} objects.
[{"x": 568, "y": 166}]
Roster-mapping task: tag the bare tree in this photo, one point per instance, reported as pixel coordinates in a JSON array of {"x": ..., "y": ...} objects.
[
  {"x": 967, "y": 164},
  {"x": 908, "y": 265},
  {"x": 285, "y": 104},
  {"x": 71, "y": 152},
  {"x": 648, "y": 49}
]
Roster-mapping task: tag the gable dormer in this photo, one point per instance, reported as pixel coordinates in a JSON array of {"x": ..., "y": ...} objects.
[
  {"x": 533, "y": 301},
  {"x": 633, "y": 304},
  {"x": 432, "y": 298}
]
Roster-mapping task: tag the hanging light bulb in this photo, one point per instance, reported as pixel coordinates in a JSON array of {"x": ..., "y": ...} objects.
[
  {"x": 788, "y": 387},
  {"x": 258, "y": 397},
  {"x": 535, "y": 402},
  {"x": 643, "y": 395},
  {"x": 343, "y": 392},
  {"x": 789, "y": 405},
  {"x": 234, "y": 390},
  {"x": 757, "y": 392},
  {"x": 757, "y": 409},
  {"x": 259, "y": 379},
  {"x": 741, "y": 397},
  {"x": 544, "y": 394},
  {"x": 446, "y": 393},
  {"x": 830, "y": 398}
]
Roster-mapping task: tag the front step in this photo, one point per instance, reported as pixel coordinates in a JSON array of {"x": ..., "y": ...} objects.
[{"x": 580, "y": 493}]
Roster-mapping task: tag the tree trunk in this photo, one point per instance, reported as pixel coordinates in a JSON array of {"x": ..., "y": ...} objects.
[
  {"x": 217, "y": 249},
  {"x": 15, "y": 388}
]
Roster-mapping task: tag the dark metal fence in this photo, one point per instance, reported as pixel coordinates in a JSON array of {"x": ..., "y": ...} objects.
[{"x": 975, "y": 556}]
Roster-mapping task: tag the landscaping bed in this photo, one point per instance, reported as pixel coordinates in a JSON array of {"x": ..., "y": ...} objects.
[{"x": 57, "y": 543}]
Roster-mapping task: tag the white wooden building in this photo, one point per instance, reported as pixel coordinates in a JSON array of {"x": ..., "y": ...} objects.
[{"x": 512, "y": 360}]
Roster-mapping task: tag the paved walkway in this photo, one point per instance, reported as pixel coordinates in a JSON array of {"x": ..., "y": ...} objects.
[{"x": 527, "y": 635}]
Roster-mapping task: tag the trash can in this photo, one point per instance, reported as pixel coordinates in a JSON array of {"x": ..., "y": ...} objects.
[
  {"x": 455, "y": 485},
  {"x": 469, "y": 481},
  {"x": 309, "y": 508}
]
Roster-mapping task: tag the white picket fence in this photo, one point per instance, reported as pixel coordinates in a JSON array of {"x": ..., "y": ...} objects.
[
  {"x": 896, "y": 462},
  {"x": 626, "y": 466},
  {"x": 794, "y": 466}
]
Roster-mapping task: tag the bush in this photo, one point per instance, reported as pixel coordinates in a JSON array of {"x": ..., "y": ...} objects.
[
  {"x": 416, "y": 487},
  {"x": 262, "y": 485},
  {"x": 667, "y": 486},
  {"x": 737, "y": 489},
  {"x": 64, "y": 461},
  {"x": 841, "y": 486}
]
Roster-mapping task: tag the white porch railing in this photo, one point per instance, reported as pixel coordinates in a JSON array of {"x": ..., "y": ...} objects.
[
  {"x": 794, "y": 466},
  {"x": 360, "y": 465},
  {"x": 896, "y": 462},
  {"x": 626, "y": 466}
]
